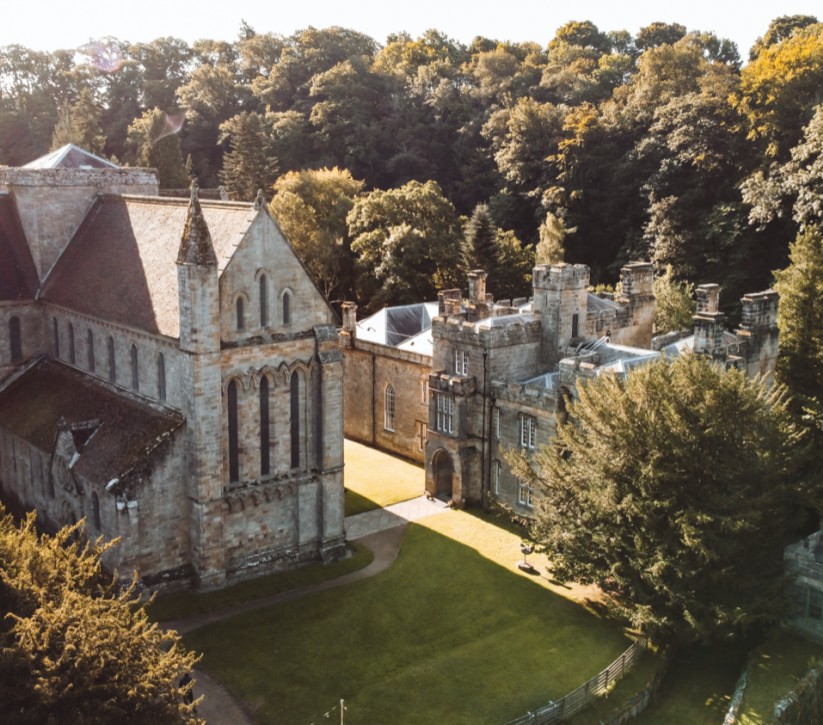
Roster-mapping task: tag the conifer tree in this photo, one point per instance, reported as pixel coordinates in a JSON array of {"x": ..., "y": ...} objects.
[
  {"x": 480, "y": 249},
  {"x": 549, "y": 249},
  {"x": 249, "y": 165},
  {"x": 156, "y": 145},
  {"x": 79, "y": 124},
  {"x": 76, "y": 648}
]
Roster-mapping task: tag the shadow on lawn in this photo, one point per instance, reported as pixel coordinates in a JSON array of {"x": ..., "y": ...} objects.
[
  {"x": 356, "y": 503},
  {"x": 444, "y": 634}
]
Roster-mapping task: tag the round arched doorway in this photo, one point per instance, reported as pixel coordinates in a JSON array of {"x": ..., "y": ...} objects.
[{"x": 443, "y": 471}]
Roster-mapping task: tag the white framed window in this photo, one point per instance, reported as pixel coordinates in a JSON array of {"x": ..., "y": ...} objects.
[
  {"x": 445, "y": 413},
  {"x": 524, "y": 494},
  {"x": 496, "y": 422},
  {"x": 388, "y": 409},
  {"x": 424, "y": 390},
  {"x": 496, "y": 478},
  {"x": 461, "y": 362},
  {"x": 528, "y": 431}
]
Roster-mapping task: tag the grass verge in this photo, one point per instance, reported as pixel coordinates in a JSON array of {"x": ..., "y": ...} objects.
[
  {"x": 776, "y": 667},
  {"x": 698, "y": 687},
  {"x": 452, "y": 632},
  {"x": 375, "y": 479},
  {"x": 176, "y": 605}
]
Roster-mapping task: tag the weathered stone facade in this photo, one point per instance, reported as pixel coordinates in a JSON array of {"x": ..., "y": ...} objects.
[
  {"x": 501, "y": 374},
  {"x": 219, "y": 347}
]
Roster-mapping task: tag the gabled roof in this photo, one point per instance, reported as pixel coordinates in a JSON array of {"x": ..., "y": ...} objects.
[
  {"x": 121, "y": 264},
  {"x": 18, "y": 275},
  {"x": 33, "y": 405},
  {"x": 70, "y": 157}
]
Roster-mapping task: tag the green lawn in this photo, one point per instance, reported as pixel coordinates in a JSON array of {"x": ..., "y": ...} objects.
[
  {"x": 698, "y": 687},
  {"x": 452, "y": 632},
  {"x": 777, "y": 666},
  {"x": 374, "y": 479},
  {"x": 176, "y": 605}
]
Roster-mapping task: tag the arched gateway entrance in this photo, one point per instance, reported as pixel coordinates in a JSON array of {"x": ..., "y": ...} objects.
[{"x": 443, "y": 471}]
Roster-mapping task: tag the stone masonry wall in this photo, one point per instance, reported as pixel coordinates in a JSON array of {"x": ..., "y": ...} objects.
[
  {"x": 53, "y": 202},
  {"x": 370, "y": 368}
]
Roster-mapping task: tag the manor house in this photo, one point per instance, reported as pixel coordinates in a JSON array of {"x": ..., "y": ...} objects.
[
  {"x": 453, "y": 385},
  {"x": 169, "y": 371}
]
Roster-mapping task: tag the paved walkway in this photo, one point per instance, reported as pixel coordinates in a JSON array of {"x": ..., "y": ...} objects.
[
  {"x": 395, "y": 515},
  {"x": 381, "y": 530}
]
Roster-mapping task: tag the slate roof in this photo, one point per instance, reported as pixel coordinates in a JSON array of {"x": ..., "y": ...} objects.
[
  {"x": 70, "y": 157},
  {"x": 18, "y": 275},
  {"x": 121, "y": 264},
  {"x": 32, "y": 406}
]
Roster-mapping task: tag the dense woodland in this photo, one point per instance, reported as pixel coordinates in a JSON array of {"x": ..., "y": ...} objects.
[{"x": 414, "y": 160}]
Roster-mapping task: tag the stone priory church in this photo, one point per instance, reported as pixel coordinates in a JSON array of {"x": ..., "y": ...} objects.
[{"x": 169, "y": 371}]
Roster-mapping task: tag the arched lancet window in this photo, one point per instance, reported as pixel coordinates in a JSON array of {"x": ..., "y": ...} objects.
[
  {"x": 161, "y": 376},
  {"x": 295, "y": 420},
  {"x": 265, "y": 461},
  {"x": 241, "y": 314},
  {"x": 388, "y": 408},
  {"x": 72, "y": 357},
  {"x": 264, "y": 300},
  {"x": 286, "y": 308},
  {"x": 112, "y": 360},
  {"x": 95, "y": 510},
  {"x": 90, "y": 349},
  {"x": 15, "y": 339},
  {"x": 56, "y": 337},
  {"x": 135, "y": 375},
  {"x": 234, "y": 460}
]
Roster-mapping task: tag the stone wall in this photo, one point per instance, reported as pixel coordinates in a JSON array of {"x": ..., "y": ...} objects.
[
  {"x": 53, "y": 202},
  {"x": 30, "y": 318},
  {"x": 369, "y": 369}
]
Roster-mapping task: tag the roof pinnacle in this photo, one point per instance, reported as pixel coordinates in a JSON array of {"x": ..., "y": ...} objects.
[{"x": 196, "y": 246}]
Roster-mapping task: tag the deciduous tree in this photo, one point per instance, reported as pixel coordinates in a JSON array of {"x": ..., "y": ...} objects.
[
  {"x": 311, "y": 208},
  {"x": 668, "y": 488}
]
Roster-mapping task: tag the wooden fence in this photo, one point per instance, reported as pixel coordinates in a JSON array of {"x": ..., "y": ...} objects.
[{"x": 575, "y": 701}]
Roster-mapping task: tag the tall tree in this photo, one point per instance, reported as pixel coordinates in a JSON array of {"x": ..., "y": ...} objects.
[
  {"x": 669, "y": 489},
  {"x": 156, "y": 144},
  {"x": 407, "y": 243},
  {"x": 480, "y": 242},
  {"x": 74, "y": 646},
  {"x": 311, "y": 208},
  {"x": 674, "y": 303},
  {"x": 80, "y": 124},
  {"x": 249, "y": 166}
]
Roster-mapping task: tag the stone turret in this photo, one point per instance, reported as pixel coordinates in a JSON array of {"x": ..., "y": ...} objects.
[
  {"x": 637, "y": 285},
  {"x": 480, "y": 304},
  {"x": 758, "y": 332},
  {"x": 348, "y": 332},
  {"x": 560, "y": 303},
  {"x": 709, "y": 322}
]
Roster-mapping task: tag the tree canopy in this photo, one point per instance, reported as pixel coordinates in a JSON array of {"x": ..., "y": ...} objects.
[
  {"x": 644, "y": 145},
  {"x": 669, "y": 488},
  {"x": 74, "y": 646}
]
